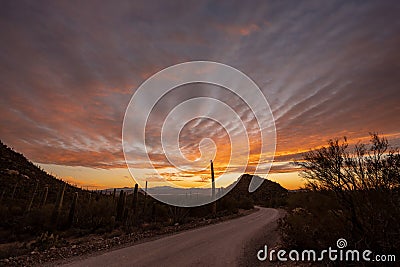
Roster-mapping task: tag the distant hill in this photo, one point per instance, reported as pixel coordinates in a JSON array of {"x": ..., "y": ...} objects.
[{"x": 269, "y": 194}]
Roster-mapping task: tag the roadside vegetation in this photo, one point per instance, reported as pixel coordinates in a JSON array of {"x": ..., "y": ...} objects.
[
  {"x": 39, "y": 212},
  {"x": 352, "y": 192}
]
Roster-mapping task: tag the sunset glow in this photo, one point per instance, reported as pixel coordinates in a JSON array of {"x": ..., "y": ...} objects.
[{"x": 68, "y": 73}]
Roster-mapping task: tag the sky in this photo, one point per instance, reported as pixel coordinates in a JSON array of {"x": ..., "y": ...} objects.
[{"x": 68, "y": 70}]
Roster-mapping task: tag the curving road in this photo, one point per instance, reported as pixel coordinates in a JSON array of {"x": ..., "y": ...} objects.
[{"x": 216, "y": 245}]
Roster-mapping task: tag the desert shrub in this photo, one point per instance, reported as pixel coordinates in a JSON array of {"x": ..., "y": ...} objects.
[
  {"x": 46, "y": 241},
  {"x": 312, "y": 221},
  {"x": 352, "y": 194},
  {"x": 229, "y": 204},
  {"x": 96, "y": 214},
  {"x": 245, "y": 203}
]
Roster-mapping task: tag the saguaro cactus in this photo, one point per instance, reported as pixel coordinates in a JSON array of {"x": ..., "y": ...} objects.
[
  {"x": 72, "y": 210},
  {"x": 114, "y": 194},
  {"x": 14, "y": 190},
  {"x": 214, "y": 204},
  {"x": 145, "y": 200},
  {"x": 58, "y": 206},
  {"x": 125, "y": 210},
  {"x": 121, "y": 205},
  {"x": 44, "y": 199},
  {"x": 33, "y": 197},
  {"x": 135, "y": 199}
]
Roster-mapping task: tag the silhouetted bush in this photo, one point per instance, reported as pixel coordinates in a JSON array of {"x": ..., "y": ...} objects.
[{"x": 352, "y": 194}]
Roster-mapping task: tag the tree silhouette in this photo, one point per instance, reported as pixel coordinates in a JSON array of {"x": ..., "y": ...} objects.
[{"x": 365, "y": 181}]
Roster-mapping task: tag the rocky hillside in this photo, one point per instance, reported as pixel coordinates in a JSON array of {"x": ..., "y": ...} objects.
[
  {"x": 31, "y": 200},
  {"x": 269, "y": 194},
  {"x": 19, "y": 178}
]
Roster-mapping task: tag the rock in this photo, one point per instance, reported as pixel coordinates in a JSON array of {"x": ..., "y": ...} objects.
[{"x": 13, "y": 172}]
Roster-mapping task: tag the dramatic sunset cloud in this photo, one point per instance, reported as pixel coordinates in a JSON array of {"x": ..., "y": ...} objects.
[{"x": 69, "y": 68}]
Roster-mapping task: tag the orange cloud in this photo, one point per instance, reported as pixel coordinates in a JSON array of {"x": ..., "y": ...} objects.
[{"x": 241, "y": 30}]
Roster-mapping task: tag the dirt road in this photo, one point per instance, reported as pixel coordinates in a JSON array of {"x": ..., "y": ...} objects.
[{"x": 220, "y": 244}]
